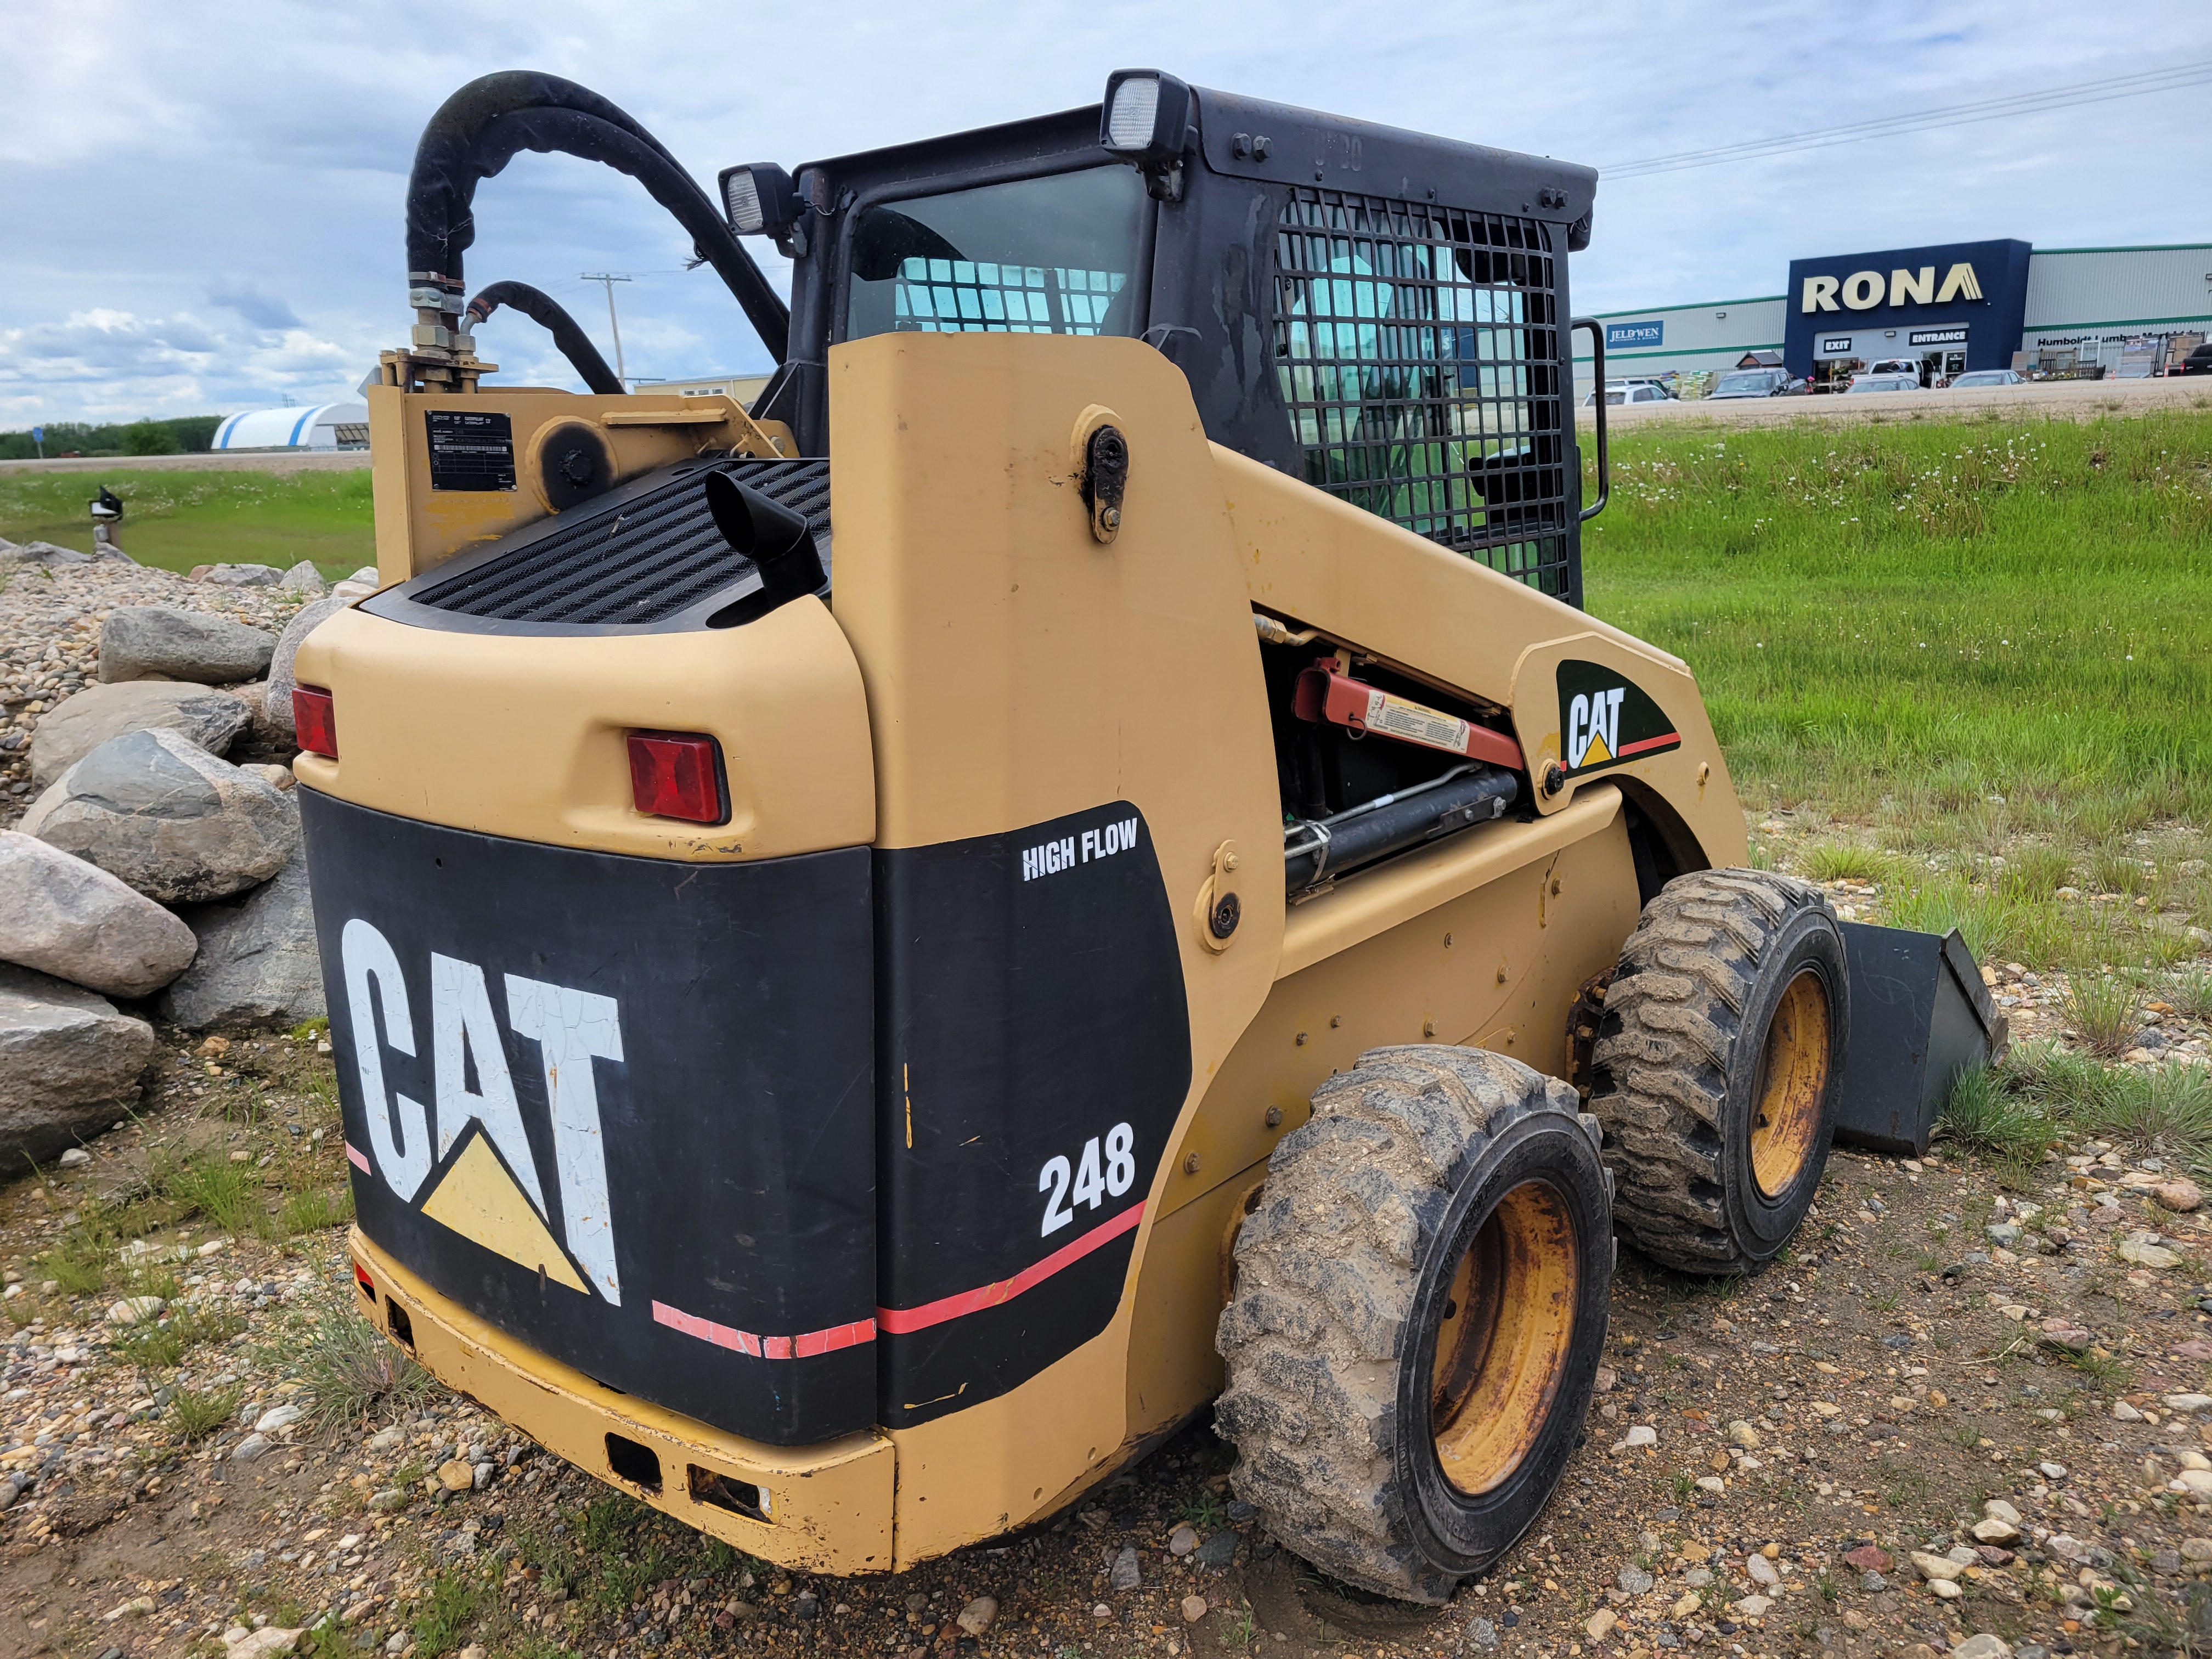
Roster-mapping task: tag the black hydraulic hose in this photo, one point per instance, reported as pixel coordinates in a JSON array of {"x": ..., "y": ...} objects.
[
  {"x": 1360, "y": 837},
  {"x": 540, "y": 307},
  {"x": 477, "y": 131}
]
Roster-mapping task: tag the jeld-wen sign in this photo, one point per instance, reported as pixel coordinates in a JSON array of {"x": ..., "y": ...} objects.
[{"x": 1979, "y": 288}]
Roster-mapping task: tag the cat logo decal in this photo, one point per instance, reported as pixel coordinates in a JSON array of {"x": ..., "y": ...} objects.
[
  {"x": 1606, "y": 719},
  {"x": 487, "y": 1187}
]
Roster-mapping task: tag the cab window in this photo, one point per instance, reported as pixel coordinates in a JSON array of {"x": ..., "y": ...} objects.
[{"x": 1055, "y": 255}]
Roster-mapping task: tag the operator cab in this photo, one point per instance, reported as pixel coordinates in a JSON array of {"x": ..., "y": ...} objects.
[{"x": 1379, "y": 312}]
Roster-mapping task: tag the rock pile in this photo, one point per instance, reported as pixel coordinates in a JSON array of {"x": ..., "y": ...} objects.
[{"x": 149, "y": 865}]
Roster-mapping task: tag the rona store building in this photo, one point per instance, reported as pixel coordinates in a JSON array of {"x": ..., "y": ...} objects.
[{"x": 1946, "y": 309}]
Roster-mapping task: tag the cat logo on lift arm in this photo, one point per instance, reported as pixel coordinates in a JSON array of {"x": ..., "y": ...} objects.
[{"x": 1606, "y": 719}]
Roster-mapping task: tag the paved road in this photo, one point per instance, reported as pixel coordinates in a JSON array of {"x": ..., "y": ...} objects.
[
  {"x": 247, "y": 460},
  {"x": 2064, "y": 400}
]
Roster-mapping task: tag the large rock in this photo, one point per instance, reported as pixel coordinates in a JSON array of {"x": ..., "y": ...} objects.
[
  {"x": 170, "y": 818},
  {"x": 238, "y": 575},
  {"x": 276, "y": 701},
  {"x": 257, "y": 965},
  {"x": 155, "y": 642},
  {"x": 70, "y": 919},
  {"x": 48, "y": 554},
  {"x": 69, "y": 1064},
  {"x": 78, "y": 725},
  {"x": 303, "y": 578}
]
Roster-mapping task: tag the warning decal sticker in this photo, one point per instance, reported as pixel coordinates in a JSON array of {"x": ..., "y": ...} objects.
[{"x": 1606, "y": 719}]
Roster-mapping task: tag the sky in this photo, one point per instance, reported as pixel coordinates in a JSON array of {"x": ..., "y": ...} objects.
[{"x": 201, "y": 202}]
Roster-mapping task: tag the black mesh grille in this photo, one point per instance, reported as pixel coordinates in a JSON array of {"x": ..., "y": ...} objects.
[
  {"x": 1418, "y": 348},
  {"x": 641, "y": 561}
]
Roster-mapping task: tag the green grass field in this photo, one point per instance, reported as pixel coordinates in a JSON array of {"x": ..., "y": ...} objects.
[
  {"x": 1968, "y": 663},
  {"x": 1914, "y": 617},
  {"x": 180, "y": 518}
]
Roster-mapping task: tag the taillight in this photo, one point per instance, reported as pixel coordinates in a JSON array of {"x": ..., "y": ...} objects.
[
  {"x": 315, "y": 720},
  {"x": 674, "y": 774}
]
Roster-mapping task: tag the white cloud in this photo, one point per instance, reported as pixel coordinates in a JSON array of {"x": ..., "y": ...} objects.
[{"x": 204, "y": 202}]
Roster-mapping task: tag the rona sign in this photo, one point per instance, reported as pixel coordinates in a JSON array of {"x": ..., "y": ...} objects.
[{"x": 1977, "y": 287}]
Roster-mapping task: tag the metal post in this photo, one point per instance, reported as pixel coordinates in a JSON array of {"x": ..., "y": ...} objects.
[{"x": 609, "y": 278}]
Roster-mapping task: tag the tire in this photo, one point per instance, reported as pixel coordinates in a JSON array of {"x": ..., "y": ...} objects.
[
  {"x": 1439, "y": 1199},
  {"x": 1715, "y": 1069}
]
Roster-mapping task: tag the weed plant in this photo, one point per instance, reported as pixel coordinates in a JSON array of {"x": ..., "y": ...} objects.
[
  {"x": 2190, "y": 992},
  {"x": 352, "y": 1373},
  {"x": 1847, "y": 861},
  {"x": 157, "y": 1346},
  {"x": 2104, "y": 1010},
  {"x": 208, "y": 1183},
  {"x": 196, "y": 1413},
  {"x": 2042, "y": 1090}
]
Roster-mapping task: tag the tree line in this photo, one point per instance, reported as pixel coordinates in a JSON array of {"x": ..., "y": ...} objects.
[{"x": 178, "y": 435}]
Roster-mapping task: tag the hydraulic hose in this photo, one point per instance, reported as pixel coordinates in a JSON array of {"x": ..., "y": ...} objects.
[
  {"x": 540, "y": 307},
  {"x": 480, "y": 129}
]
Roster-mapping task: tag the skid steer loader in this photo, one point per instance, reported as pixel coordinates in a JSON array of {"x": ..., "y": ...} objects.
[{"x": 1076, "y": 859}]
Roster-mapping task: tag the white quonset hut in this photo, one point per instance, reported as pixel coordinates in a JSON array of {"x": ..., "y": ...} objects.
[
  {"x": 326, "y": 426},
  {"x": 2124, "y": 308}
]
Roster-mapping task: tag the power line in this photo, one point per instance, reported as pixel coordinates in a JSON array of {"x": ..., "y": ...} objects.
[{"x": 2174, "y": 78}]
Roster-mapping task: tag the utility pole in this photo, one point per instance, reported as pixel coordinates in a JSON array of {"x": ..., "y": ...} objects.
[{"x": 609, "y": 278}]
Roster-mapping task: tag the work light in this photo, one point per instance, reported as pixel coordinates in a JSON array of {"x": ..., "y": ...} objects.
[
  {"x": 1147, "y": 121},
  {"x": 758, "y": 196}
]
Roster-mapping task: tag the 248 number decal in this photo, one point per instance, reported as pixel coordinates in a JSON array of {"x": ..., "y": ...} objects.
[{"x": 1091, "y": 1181}]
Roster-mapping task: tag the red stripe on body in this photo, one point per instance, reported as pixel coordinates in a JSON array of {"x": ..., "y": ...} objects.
[
  {"x": 901, "y": 1322},
  {"x": 806, "y": 1346},
  {"x": 1641, "y": 745},
  {"x": 355, "y": 1158}
]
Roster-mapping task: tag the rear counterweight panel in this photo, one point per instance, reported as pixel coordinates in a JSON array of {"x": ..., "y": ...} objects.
[{"x": 620, "y": 1108}]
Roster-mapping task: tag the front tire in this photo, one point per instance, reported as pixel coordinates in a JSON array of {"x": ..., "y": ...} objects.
[
  {"x": 1420, "y": 1308},
  {"x": 1715, "y": 1067}
]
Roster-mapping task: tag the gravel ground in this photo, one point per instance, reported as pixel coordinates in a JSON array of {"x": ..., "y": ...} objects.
[
  {"x": 1763, "y": 1461},
  {"x": 49, "y": 642}
]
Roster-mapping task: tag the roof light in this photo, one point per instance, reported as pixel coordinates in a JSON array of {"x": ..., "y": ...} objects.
[
  {"x": 1146, "y": 121},
  {"x": 1131, "y": 116},
  {"x": 315, "y": 720},
  {"x": 678, "y": 774},
  {"x": 758, "y": 196}
]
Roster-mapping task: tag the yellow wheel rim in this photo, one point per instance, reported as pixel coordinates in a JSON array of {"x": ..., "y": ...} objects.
[
  {"x": 1793, "y": 1076},
  {"x": 1502, "y": 1344}
]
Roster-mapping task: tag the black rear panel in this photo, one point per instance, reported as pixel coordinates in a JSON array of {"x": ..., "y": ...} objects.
[
  {"x": 645, "y": 555},
  {"x": 619, "y": 1107},
  {"x": 1035, "y": 1052}
]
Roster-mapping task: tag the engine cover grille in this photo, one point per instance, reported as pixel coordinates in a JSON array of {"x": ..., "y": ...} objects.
[{"x": 641, "y": 555}]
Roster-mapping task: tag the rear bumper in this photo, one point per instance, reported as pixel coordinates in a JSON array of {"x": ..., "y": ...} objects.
[{"x": 823, "y": 1509}]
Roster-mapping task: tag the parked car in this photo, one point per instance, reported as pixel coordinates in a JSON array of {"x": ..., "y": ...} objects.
[
  {"x": 1629, "y": 391},
  {"x": 1895, "y": 366},
  {"x": 1987, "y": 377},
  {"x": 1754, "y": 383},
  {"x": 2199, "y": 360},
  {"x": 1871, "y": 381}
]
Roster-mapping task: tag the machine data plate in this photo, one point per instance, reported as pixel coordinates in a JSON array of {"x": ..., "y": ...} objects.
[{"x": 470, "y": 451}]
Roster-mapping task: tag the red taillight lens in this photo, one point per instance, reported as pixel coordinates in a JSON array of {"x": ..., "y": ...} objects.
[
  {"x": 314, "y": 719},
  {"x": 673, "y": 775}
]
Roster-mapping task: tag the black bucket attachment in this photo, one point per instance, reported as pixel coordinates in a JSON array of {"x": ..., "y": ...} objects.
[{"x": 1920, "y": 1015}]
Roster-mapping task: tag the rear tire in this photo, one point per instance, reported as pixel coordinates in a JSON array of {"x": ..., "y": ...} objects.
[
  {"x": 1715, "y": 1067},
  {"x": 1420, "y": 1307}
]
